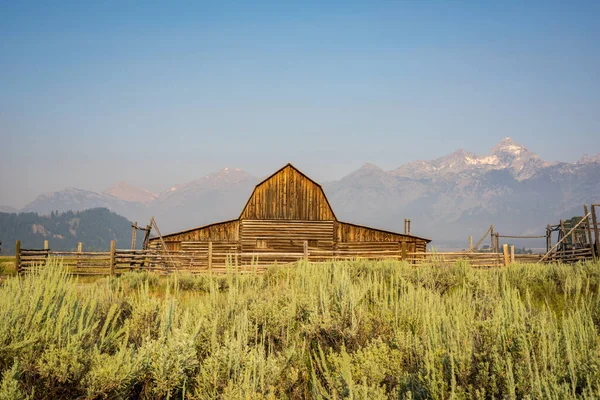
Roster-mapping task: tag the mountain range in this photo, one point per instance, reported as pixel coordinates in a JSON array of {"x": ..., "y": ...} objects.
[
  {"x": 95, "y": 228},
  {"x": 447, "y": 199}
]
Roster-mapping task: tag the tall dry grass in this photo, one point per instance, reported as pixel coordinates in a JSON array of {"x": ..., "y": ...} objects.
[{"x": 331, "y": 330}]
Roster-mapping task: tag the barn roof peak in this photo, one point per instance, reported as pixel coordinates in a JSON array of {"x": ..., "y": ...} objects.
[
  {"x": 289, "y": 164},
  {"x": 294, "y": 168}
]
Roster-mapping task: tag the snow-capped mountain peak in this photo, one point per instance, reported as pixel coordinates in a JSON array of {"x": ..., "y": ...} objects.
[{"x": 507, "y": 154}]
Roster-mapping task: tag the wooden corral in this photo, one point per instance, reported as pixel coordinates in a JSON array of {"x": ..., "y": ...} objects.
[{"x": 288, "y": 214}]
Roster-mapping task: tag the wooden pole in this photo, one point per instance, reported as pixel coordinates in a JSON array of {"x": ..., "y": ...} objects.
[
  {"x": 596, "y": 233},
  {"x": 146, "y": 237},
  {"x": 134, "y": 229},
  {"x": 564, "y": 237},
  {"x": 588, "y": 231},
  {"x": 305, "y": 250},
  {"x": 153, "y": 222},
  {"x": 482, "y": 238},
  {"x": 512, "y": 253},
  {"x": 409, "y": 226},
  {"x": 506, "y": 255},
  {"x": 45, "y": 245},
  {"x": 18, "y": 256},
  {"x": 548, "y": 238},
  {"x": 470, "y": 243},
  {"x": 562, "y": 229},
  {"x": 210, "y": 251},
  {"x": 492, "y": 240},
  {"x": 112, "y": 257},
  {"x": 79, "y": 247},
  {"x": 405, "y": 226},
  {"x": 404, "y": 251}
]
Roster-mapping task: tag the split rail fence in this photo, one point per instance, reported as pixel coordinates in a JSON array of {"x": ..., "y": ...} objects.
[{"x": 222, "y": 260}]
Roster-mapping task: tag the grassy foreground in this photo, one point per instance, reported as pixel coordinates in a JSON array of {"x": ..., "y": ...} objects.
[{"x": 332, "y": 330}]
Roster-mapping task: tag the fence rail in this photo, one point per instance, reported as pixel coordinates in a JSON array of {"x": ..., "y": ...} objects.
[{"x": 198, "y": 261}]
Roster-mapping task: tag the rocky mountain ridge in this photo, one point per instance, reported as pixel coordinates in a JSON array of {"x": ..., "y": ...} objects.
[{"x": 447, "y": 198}]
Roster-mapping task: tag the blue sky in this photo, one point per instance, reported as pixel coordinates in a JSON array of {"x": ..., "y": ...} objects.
[{"x": 156, "y": 94}]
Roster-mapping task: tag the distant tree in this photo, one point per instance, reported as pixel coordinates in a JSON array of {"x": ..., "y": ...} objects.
[{"x": 95, "y": 228}]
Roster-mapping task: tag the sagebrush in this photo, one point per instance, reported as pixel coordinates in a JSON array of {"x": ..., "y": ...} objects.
[{"x": 355, "y": 329}]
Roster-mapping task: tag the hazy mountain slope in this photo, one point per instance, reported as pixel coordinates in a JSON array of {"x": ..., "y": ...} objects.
[
  {"x": 461, "y": 194},
  {"x": 127, "y": 192},
  {"x": 447, "y": 199},
  {"x": 212, "y": 198},
  {"x": 73, "y": 199},
  {"x": 95, "y": 228}
]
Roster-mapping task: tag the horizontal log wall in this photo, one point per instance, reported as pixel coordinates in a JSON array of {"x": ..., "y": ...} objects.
[
  {"x": 284, "y": 237},
  {"x": 223, "y": 231}
]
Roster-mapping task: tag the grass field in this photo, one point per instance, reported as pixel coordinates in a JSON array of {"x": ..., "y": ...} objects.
[
  {"x": 7, "y": 265},
  {"x": 371, "y": 330}
]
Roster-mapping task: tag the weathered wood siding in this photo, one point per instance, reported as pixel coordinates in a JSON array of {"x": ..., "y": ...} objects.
[
  {"x": 223, "y": 231},
  {"x": 285, "y": 236},
  {"x": 350, "y": 236},
  {"x": 288, "y": 195}
]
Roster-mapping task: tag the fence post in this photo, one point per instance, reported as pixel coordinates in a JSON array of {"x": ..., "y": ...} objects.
[
  {"x": 18, "y": 256},
  {"x": 548, "y": 238},
  {"x": 210, "y": 251},
  {"x": 512, "y": 253},
  {"x": 134, "y": 229},
  {"x": 470, "y": 243},
  {"x": 112, "y": 257},
  {"x": 506, "y": 255},
  {"x": 47, "y": 251},
  {"x": 492, "y": 240},
  {"x": 596, "y": 233},
  {"x": 404, "y": 251},
  {"x": 305, "y": 250}
]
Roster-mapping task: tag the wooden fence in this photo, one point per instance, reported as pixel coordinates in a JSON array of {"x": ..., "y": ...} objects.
[{"x": 223, "y": 259}]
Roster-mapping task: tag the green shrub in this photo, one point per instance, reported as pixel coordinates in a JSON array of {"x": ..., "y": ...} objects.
[{"x": 352, "y": 329}]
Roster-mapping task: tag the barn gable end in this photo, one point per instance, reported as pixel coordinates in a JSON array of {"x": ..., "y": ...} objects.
[{"x": 288, "y": 194}]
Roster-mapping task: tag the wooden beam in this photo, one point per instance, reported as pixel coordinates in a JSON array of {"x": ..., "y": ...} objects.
[
  {"x": 134, "y": 229},
  {"x": 512, "y": 253},
  {"x": 482, "y": 238},
  {"x": 153, "y": 222},
  {"x": 404, "y": 250},
  {"x": 562, "y": 229},
  {"x": 18, "y": 256},
  {"x": 79, "y": 247},
  {"x": 587, "y": 228},
  {"x": 45, "y": 245},
  {"x": 470, "y": 243},
  {"x": 563, "y": 238},
  {"x": 548, "y": 238},
  {"x": 506, "y": 254},
  {"x": 596, "y": 230},
  {"x": 210, "y": 254},
  {"x": 305, "y": 244},
  {"x": 112, "y": 257},
  {"x": 492, "y": 241}
]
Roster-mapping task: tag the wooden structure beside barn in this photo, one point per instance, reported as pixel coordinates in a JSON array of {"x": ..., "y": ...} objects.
[{"x": 288, "y": 213}]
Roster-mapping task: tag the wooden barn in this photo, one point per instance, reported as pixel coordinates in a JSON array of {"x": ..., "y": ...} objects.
[{"x": 288, "y": 214}]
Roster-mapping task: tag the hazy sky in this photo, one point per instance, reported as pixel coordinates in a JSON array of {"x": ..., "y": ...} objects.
[{"x": 95, "y": 93}]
